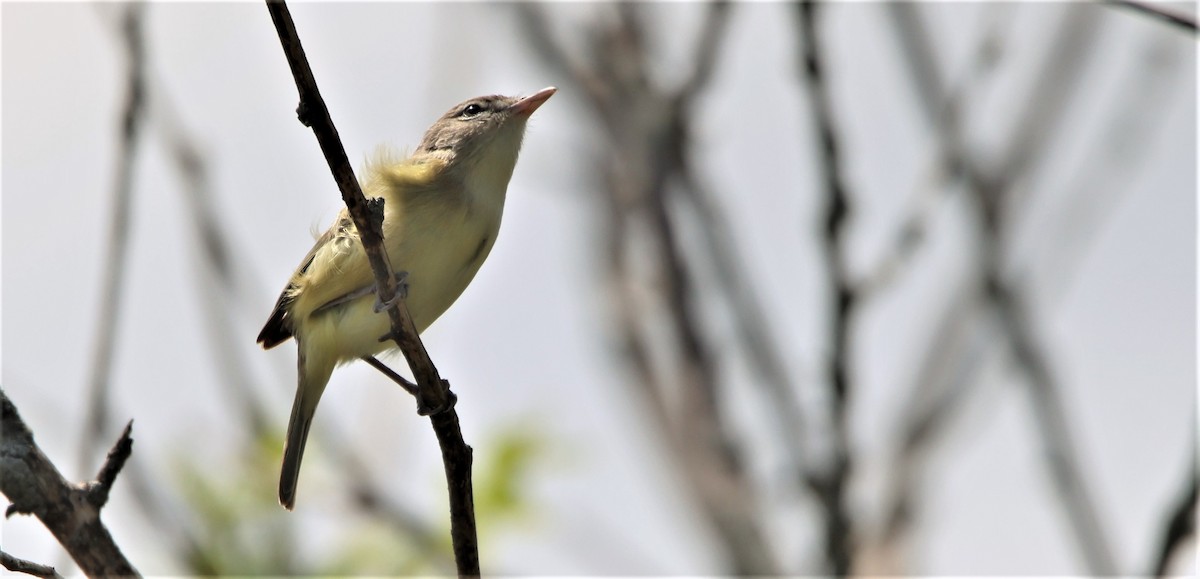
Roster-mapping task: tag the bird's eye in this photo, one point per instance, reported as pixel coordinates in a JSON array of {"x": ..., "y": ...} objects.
[{"x": 471, "y": 110}]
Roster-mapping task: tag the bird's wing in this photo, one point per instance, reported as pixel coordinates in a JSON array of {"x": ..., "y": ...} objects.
[
  {"x": 279, "y": 325},
  {"x": 339, "y": 248}
]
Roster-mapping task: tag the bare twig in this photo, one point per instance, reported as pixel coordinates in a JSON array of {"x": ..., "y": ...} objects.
[
  {"x": 70, "y": 512},
  {"x": 97, "y": 409},
  {"x": 434, "y": 394},
  {"x": 28, "y": 567},
  {"x": 391, "y": 374},
  {"x": 1183, "y": 21},
  {"x": 831, "y": 484},
  {"x": 97, "y": 491}
]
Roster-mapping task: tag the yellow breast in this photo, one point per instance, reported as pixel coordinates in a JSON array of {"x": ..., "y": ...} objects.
[{"x": 435, "y": 228}]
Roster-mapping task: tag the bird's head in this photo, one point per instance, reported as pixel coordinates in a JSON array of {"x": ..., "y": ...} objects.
[{"x": 482, "y": 134}]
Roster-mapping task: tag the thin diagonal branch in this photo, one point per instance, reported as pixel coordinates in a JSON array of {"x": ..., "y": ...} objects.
[
  {"x": 1050, "y": 415},
  {"x": 1133, "y": 120},
  {"x": 156, "y": 113},
  {"x": 1055, "y": 83},
  {"x": 97, "y": 491},
  {"x": 943, "y": 383},
  {"x": 391, "y": 374},
  {"x": 434, "y": 394},
  {"x": 722, "y": 475},
  {"x": 97, "y": 408},
  {"x": 918, "y": 51},
  {"x": 1184, "y": 22},
  {"x": 912, "y": 232},
  {"x": 159, "y": 116}
]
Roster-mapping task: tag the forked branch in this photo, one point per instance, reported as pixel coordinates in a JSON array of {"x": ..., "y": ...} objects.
[{"x": 70, "y": 511}]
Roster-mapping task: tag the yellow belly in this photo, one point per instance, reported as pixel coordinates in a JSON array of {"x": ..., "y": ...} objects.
[{"x": 441, "y": 256}]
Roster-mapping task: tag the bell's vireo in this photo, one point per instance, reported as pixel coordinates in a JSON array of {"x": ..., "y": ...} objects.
[{"x": 442, "y": 208}]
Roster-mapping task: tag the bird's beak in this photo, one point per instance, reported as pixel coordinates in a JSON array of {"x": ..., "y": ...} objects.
[{"x": 527, "y": 105}]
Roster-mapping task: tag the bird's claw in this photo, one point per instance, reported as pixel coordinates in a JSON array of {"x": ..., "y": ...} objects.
[
  {"x": 427, "y": 408},
  {"x": 401, "y": 293}
]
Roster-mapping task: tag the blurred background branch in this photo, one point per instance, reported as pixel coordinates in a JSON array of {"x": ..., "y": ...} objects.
[
  {"x": 995, "y": 197},
  {"x": 1132, "y": 121},
  {"x": 1180, "y": 522},
  {"x": 119, "y": 229},
  {"x": 831, "y": 482},
  {"x": 972, "y": 332},
  {"x": 644, "y": 170}
]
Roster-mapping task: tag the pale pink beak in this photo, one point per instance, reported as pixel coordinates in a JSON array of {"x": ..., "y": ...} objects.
[{"x": 527, "y": 105}]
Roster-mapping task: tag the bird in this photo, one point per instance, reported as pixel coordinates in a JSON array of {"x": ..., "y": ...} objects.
[{"x": 442, "y": 207}]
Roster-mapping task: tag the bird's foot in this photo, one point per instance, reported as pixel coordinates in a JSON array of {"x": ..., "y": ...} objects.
[
  {"x": 427, "y": 408},
  {"x": 401, "y": 293}
]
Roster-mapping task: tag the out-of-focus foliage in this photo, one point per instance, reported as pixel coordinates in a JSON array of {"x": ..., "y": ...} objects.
[
  {"x": 240, "y": 532},
  {"x": 503, "y": 477}
]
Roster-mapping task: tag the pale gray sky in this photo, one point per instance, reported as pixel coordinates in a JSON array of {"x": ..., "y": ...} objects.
[{"x": 527, "y": 343}]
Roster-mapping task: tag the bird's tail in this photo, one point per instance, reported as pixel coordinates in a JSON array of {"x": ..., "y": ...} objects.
[{"x": 311, "y": 384}]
